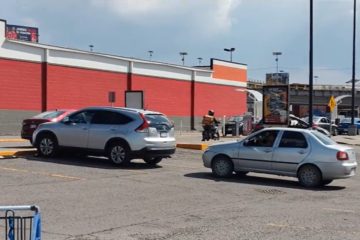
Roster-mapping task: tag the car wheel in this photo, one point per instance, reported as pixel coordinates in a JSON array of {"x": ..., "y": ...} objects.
[
  {"x": 222, "y": 167},
  {"x": 152, "y": 160},
  {"x": 118, "y": 153},
  {"x": 47, "y": 145},
  {"x": 309, "y": 176},
  {"x": 241, "y": 173},
  {"x": 326, "y": 182}
]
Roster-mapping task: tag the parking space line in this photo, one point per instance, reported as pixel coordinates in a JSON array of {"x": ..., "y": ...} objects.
[
  {"x": 339, "y": 210},
  {"x": 41, "y": 173}
]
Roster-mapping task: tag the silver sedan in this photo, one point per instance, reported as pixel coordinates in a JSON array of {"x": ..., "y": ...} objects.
[{"x": 310, "y": 156}]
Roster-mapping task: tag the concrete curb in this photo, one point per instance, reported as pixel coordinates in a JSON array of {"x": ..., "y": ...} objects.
[
  {"x": 13, "y": 140},
  {"x": 16, "y": 153},
  {"x": 201, "y": 146}
]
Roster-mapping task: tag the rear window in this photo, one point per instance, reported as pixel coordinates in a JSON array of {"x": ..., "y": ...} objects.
[
  {"x": 158, "y": 119},
  {"x": 49, "y": 114},
  {"x": 324, "y": 139}
]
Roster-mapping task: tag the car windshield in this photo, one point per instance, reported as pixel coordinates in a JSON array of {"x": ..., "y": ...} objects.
[
  {"x": 49, "y": 114},
  {"x": 323, "y": 138}
]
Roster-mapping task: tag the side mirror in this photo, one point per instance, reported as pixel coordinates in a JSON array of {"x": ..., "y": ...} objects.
[{"x": 246, "y": 142}]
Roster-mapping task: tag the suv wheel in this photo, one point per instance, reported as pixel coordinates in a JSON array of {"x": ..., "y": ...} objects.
[
  {"x": 119, "y": 153},
  {"x": 152, "y": 160},
  {"x": 47, "y": 145}
]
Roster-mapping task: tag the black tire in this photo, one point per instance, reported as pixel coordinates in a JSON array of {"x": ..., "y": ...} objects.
[
  {"x": 241, "y": 173},
  {"x": 309, "y": 176},
  {"x": 118, "y": 153},
  {"x": 222, "y": 167},
  {"x": 152, "y": 161},
  {"x": 326, "y": 182},
  {"x": 47, "y": 145}
]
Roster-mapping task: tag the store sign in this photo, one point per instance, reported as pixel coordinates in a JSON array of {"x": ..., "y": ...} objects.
[
  {"x": 276, "y": 104},
  {"x": 277, "y": 78},
  {"x": 23, "y": 33}
]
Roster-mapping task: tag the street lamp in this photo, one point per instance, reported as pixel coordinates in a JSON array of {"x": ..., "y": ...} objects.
[
  {"x": 91, "y": 47},
  {"x": 231, "y": 50},
  {"x": 150, "y": 54},
  {"x": 183, "y": 54},
  {"x": 352, "y": 128},
  {"x": 277, "y": 54},
  {"x": 200, "y": 59}
]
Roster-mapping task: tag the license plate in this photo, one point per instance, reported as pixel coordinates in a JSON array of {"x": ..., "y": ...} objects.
[
  {"x": 229, "y": 129},
  {"x": 163, "y": 134},
  {"x": 33, "y": 126}
]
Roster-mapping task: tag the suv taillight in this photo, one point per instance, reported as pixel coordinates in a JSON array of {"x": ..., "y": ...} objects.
[
  {"x": 342, "y": 156},
  {"x": 144, "y": 127}
]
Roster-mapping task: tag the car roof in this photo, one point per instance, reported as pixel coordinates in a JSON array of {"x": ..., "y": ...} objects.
[
  {"x": 287, "y": 129},
  {"x": 134, "y": 110}
]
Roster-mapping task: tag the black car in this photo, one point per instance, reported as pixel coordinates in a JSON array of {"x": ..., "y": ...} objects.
[{"x": 230, "y": 125}]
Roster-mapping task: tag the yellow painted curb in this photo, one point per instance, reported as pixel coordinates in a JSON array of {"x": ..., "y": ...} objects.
[
  {"x": 13, "y": 140},
  {"x": 192, "y": 146},
  {"x": 16, "y": 153}
]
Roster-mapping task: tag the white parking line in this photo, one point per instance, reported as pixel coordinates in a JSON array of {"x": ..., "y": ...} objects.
[{"x": 55, "y": 175}]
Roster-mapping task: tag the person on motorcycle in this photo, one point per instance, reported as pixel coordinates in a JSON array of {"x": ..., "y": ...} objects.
[{"x": 209, "y": 124}]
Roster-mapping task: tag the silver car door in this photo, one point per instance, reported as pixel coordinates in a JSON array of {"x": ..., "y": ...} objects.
[
  {"x": 74, "y": 129},
  {"x": 256, "y": 152},
  {"x": 105, "y": 125},
  {"x": 291, "y": 150}
]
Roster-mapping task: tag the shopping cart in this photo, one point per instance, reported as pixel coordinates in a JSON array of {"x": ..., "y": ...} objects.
[{"x": 16, "y": 226}]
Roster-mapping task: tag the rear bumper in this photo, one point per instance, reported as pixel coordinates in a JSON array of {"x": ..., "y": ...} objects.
[
  {"x": 338, "y": 170},
  {"x": 153, "y": 152}
]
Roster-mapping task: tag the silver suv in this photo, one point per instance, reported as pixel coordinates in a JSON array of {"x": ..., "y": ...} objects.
[{"x": 121, "y": 134}]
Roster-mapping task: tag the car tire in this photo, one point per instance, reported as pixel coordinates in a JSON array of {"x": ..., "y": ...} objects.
[
  {"x": 152, "y": 161},
  {"x": 309, "y": 176},
  {"x": 47, "y": 145},
  {"x": 118, "y": 153},
  {"x": 326, "y": 182},
  {"x": 222, "y": 167},
  {"x": 241, "y": 173}
]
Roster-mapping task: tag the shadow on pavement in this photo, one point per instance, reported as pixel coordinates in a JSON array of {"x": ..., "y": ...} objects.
[
  {"x": 263, "y": 181},
  {"x": 92, "y": 162}
]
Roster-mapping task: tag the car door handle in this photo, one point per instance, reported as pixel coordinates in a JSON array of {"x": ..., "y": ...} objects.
[
  {"x": 302, "y": 152},
  {"x": 267, "y": 150},
  {"x": 85, "y": 128},
  {"x": 112, "y": 129}
]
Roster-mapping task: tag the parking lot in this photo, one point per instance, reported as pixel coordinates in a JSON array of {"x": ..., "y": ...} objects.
[{"x": 89, "y": 198}]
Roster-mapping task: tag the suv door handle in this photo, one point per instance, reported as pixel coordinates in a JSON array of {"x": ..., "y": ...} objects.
[{"x": 267, "y": 150}]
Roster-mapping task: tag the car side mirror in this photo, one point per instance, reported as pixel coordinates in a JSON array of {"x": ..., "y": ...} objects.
[{"x": 246, "y": 142}]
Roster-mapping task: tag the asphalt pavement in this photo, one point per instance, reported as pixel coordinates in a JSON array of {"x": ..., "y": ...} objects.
[{"x": 13, "y": 146}]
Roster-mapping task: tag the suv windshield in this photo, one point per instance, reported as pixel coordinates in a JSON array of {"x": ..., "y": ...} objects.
[
  {"x": 49, "y": 114},
  {"x": 324, "y": 139}
]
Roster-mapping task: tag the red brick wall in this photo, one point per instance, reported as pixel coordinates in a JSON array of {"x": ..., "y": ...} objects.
[
  {"x": 70, "y": 87},
  {"x": 20, "y": 85},
  {"x": 171, "y": 97},
  {"x": 224, "y": 100}
]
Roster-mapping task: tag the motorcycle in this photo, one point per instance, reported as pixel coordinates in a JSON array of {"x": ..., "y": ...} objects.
[{"x": 211, "y": 132}]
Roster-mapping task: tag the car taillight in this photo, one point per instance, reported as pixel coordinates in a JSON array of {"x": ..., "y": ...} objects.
[
  {"x": 342, "y": 156},
  {"x": 144, "y": 127}
]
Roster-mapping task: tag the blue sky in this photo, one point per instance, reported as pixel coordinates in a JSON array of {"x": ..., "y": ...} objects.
[{"x": 202, "y": 28}]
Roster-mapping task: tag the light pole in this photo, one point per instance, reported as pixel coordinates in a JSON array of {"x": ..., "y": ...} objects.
[
  {"x": 200, "y": 59},
  {"x": 91, "y": 47},
  {"x": 183, "y": 54},
  {"x": 231, "y": 50},
  {"x": 352, "y": 129},
  {"x": 150, "y": 54},
  {"x": 277, "y": 54},
  {"x": 311, "y": 66}
]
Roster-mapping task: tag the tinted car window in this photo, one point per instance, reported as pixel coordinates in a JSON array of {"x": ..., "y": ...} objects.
[
  {"x": 81, "y": 117},
  {"x": 291, "y": 139},
  {"x": 109, "y": 117},
  {"x": 157, "y": 119},
  {"x": 263, "y": 139}
]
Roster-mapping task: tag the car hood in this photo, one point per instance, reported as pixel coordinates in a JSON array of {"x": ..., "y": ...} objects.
[{"x": 218, "y": 146}]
